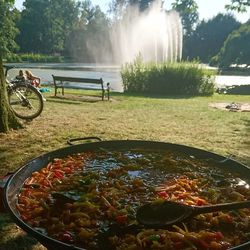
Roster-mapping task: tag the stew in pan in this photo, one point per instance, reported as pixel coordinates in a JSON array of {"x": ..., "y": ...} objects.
[{"x": 77, "y": 198}]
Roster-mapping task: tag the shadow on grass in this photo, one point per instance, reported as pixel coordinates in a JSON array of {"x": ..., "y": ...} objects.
[
  {"x": 155, "y": 96},
  {"x": 86, "y": 97},
  {"x": 72, "y": 99},
  {"x": 12, "y": 237},
  {"x": 63, "y": 101},
  {"x": 246, "y": 144},
  {"x": 247, "y": 122},
  {"x": 238, "y": 90},
  {"x": 20, "y": 242}
]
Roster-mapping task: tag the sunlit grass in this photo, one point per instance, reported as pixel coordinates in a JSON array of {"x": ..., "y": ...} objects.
[{"x": 181, "y": 120}]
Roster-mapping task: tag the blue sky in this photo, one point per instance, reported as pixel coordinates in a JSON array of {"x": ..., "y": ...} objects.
[{"x": 207, "y": 8}]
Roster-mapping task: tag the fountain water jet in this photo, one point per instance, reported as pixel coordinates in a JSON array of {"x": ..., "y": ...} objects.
[{"x": 154, "y": 34}]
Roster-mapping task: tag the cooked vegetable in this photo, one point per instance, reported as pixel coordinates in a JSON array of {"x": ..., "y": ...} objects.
[{"x": 77, "y": 198}]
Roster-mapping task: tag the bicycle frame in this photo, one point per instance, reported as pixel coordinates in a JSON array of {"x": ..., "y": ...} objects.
[{"x": 23, "y": 97}]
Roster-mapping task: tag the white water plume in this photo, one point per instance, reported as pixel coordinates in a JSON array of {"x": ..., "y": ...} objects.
[{"x": 155, "y": 34}]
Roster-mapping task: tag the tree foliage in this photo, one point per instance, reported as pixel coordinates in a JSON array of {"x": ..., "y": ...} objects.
[
  {"x": 117, "y": 7},
  {"x": 238, "y": 5},
  {"x": 63, "y": 27},
  {"x": 7, "y": 44},
  {"x": 209, "y": 36},
  {"x": 188, "y": 10},
  {"x": 236, "y": 49},
  {"x": 77, "y": 28},
  {"x": 83, "y": 42},
  {"x": 8, "y": 30},
  {"x": 45, "y": 25}
]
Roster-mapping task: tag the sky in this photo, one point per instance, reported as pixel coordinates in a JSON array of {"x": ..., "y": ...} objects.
[{"x": 207, "y": 8}]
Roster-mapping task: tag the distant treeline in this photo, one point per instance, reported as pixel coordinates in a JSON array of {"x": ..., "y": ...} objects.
[
  {"x": 33, "y": 58},
  {"x": 59, "y": 30}
]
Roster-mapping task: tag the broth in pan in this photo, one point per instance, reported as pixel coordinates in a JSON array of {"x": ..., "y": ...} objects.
[{"x": 90, "y": 200}]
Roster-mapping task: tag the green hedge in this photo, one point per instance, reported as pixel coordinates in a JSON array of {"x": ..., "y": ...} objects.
[
  {"x": 185, "y": 78},
  {"x": 33, "y": 58}
]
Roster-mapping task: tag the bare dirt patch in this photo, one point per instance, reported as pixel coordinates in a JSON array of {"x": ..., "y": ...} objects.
[{"x": 233, "y": 106}]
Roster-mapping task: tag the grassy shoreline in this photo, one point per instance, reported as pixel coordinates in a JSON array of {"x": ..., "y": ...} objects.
[
  {"x": 180, "y": 120},
  {"x": 183, "y": 120}
]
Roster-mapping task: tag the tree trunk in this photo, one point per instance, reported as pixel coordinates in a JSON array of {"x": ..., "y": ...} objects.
[{"x": 8, "y": 120}]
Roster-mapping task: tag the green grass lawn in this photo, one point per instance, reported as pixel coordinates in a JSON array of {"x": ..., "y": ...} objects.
[{"x": 188, "y": 121}]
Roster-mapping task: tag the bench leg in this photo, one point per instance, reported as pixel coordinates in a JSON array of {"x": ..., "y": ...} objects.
[
  {"x": 108, "y": 88},
  {"x": 103, "y": 94},
  {"x": 55, "y": 91}
]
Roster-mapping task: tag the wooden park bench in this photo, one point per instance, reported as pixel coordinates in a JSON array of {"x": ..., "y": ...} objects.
[{"x": 87, "y": 83}]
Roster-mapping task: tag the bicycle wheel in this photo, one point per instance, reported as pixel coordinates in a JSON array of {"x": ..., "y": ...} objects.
[{"x": 26, "y": 101}]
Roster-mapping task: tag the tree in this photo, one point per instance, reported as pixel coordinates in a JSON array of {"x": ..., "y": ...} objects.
[
  {"x": 188, "y": 10},
  {"x": 236, "y": 49},
  {"x": 144, "y": 4},
  {"x": 98, "y": 33},
  {"x": 209, "y": 36},
  {"x": 117, "y": 7},
  {"x": 83, "y": 43},
  {"x": 45, "y": 25},
  {"x": 32, "y": 27},
  {"x": 238, "y": 5},
  {"x": 7, "y": 34},
  {"x": 62, "y": 16}
]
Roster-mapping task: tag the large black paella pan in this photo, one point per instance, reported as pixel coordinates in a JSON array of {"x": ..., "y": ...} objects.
[{"x": 85, "y": 196}]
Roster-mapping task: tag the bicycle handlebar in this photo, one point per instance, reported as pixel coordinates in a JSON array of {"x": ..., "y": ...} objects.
[{"x": 7, "y": 68}]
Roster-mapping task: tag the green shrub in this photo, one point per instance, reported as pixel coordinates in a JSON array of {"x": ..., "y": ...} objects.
[
  {"x": 186, "y": 78},
  {"x": 33, "y": 58},
  {"x": 13, "y": 58}
]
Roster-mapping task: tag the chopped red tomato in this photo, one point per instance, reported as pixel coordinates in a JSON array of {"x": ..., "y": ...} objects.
[
  {"x": 200, "y": 202},
  {"x": 219, "y": 236},
  {"x": 59, "y": 174},
  {"x": 204, "y": 245},
  {"x": 122, "y": 219},
  {"x": 67, "y": 170},
  {"x": 163, "y": 194}
]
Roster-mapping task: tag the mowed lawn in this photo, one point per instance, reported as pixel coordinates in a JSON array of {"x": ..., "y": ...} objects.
[{"x": 183, "y": 120}]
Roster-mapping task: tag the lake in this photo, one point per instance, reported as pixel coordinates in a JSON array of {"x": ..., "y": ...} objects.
[{"x": 109, "y": 73}]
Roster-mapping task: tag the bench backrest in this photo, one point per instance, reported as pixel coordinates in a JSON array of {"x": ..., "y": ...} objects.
[{"x": 77, "y": 79}]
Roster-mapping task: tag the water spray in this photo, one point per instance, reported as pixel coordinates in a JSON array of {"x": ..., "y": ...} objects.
[{"x": 155, "y": 34}]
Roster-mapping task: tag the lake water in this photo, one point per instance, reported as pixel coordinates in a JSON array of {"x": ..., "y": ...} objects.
[{"x": 109, "y": 73}]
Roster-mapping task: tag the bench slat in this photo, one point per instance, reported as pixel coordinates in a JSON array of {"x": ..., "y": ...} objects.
[
  {"x": 76, "y": 79},
  {"x": 80, "y": 87}
]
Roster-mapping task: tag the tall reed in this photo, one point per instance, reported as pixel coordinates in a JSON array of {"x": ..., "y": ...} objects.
[{"x": 182, "y": 78}]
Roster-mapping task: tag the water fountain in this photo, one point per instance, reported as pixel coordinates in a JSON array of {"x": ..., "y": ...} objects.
[{"x": 156, "y": 34}]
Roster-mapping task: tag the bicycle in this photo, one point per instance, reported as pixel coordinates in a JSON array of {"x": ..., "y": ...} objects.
[{"x": 24, "y": 99}]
